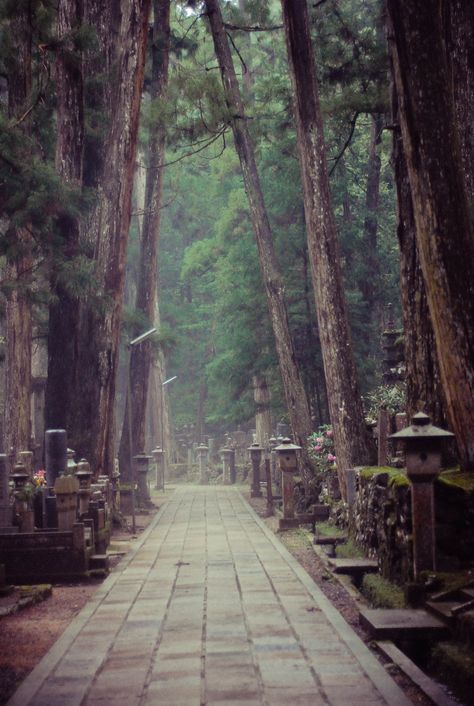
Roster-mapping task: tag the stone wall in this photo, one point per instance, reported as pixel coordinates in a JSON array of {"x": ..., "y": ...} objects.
[{"x": 381, "y": 520}]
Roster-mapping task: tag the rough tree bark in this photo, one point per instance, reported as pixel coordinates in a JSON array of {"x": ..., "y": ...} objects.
[
  {"x": 18, "y": 329},
  {"x": 369, "y": 285},
  {"x": 345, "y": 405},
  {"x": 122, "y": 31},
  {"x": 263, "y": 416},
  {"x": 295, "y": 394},
  {"x": 142, "y": 356},
  {"x": 424, "y": 391},
  {"x": 444, "y": 229},
  {"x": 64, "y": 309}
]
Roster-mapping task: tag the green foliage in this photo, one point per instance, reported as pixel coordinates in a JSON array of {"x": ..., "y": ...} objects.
[
  {"x": 389, "y": 397},
  {"x": 381, "y": 593},
  {"x": 211, "y": 289}
]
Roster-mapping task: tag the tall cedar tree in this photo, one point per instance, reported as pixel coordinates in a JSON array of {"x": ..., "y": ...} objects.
[
  {"x": 109, "y": 164},
  {"x": 146, "y": 300},
  {"x": 345, "y": 405},
  {"x": 423, "y": 384},
  {"x": 64, "y": 308},
  {"x": 17, "y": 424},
  {"x": 444, "y": 229},
  {"x": 295, "y": 394}
]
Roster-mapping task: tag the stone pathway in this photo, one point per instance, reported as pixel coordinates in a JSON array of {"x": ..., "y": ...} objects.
[{"x": 209, "y": 609}]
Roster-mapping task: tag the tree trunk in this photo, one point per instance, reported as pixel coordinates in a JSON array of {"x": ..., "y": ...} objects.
[
  {"x": 263, "y": 416},
  {"x": 424, "y": 391},
  {"x": 17, "y": 417},
  {"x": 459, "y": 32},
  {"x": 142, "y": 356},
  {"x": 345, "y": 406},
  {"x": 64, "y": 309},
  {"x": 295, "y": 394},
  {"x": 369, "y": 285},
  {"x": 443, "y": 223},
  {"x": 122, "y": 33}
]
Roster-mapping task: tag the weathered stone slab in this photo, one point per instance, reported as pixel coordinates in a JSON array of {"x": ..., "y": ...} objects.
[
  {"x": 398, "y": 624},
  {"x": 354, "y": 567}
]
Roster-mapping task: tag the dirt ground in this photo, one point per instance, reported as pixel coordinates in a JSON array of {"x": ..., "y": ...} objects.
[{"x": 27, "y": 635}]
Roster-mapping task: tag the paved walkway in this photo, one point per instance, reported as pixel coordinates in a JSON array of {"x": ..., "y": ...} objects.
[{"x": 209, "y": 609}]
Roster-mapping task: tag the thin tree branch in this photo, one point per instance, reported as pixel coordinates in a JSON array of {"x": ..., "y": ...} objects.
[
  {"x": 346, "y": 143},
  {"x": 244, "y": 65},
  {"x": 256, "y": 28}
]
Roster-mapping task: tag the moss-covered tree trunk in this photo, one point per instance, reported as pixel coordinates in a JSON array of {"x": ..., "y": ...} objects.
[
  {"x": 295, "y": 394},
  {"x": 345, "y": 405},
  {"x": 444, "y": 230}
]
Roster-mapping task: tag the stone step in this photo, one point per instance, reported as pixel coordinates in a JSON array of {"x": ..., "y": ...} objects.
[
  {"x": 354, "y": 567},
  {"x": 442, "y": 609},
  {"x": 402, "y": 624},
  {"x": 98, "y": 561},
  {"x": 322, "y": 539},
  {"x": 320, "y": 512}
]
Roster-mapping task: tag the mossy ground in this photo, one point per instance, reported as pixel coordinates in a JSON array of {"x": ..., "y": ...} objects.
[
  {"x": 382, "y": 593},
  {"x": 349, "y": 550}
]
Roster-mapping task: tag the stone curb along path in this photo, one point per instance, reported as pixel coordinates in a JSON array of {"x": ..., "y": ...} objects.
[{"x": 208, "y": 609}]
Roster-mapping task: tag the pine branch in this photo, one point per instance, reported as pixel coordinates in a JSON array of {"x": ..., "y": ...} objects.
[
  {"x": 346, "y": 143},
  {"x": 256, "y": 28}
]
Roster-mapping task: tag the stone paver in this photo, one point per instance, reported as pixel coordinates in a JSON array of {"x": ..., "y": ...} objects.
[{"x": 209, "y": 610}]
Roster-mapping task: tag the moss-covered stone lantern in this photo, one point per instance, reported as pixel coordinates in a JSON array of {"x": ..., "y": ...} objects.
[{"x": 423, "y": 446}]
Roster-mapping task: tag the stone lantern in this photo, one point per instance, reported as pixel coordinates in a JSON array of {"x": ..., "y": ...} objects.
[
  {"x": 71, "y": 465},
  {"x": 201, "y": 451},
  {"x": 159, "y": 460},
  {"x": 287, "y": 457},
  {"x": 142, "y": 462},
  {"x": 20, "y": 477},
  {"x": 226, "y": 465},
  {"x": 84, "y": 476},
  {"x": 423, "y": 446},
  {"x": 256, "y": 457},
  {"x": 23, "y": 498}
]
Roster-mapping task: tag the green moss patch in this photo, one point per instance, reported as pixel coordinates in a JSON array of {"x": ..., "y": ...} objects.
[
  {"x": 382, "y": 593},
  {"x": 454, "y": 477},
  {"x": 328, "y": 529},
  {"x": 349, "y": 550},
  {"x": 395, "y": 475}
]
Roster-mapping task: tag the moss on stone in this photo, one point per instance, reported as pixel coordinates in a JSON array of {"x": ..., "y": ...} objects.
[
  {"x": 396, "y": 476},
  {"x": 382, "y": 593},
  {"x": 328, "y": 529},
  {"x": 349, "y": 550},
  {"x": 454, "y": 477}
]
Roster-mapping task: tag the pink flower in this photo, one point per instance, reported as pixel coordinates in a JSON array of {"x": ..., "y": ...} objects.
[
  {"x": 329, "y": 433},
  {"x": 331, "y": 458},
  {"x": 320, "y": 439},
  {"x": 318, "y": 448}
]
